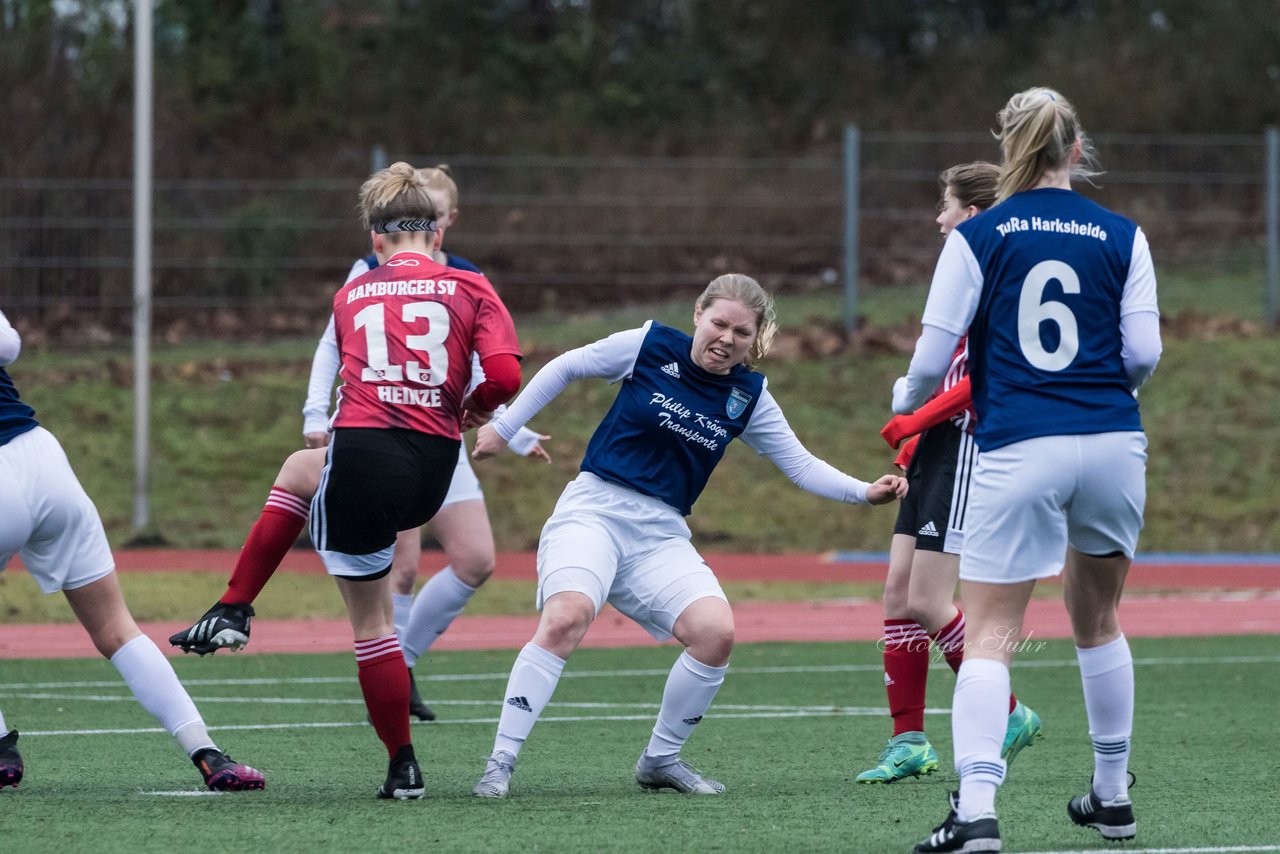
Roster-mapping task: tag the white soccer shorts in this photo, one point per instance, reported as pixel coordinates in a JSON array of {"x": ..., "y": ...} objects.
[
  {"x": 1032, "y": 499},
  {"x": 48, "y": 518},
  {"x": 465, "y": 486},
  {"x": 616, "y": 545}
]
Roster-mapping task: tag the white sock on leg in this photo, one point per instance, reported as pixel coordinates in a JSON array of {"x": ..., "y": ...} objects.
[
  {"x": 979, "y": 718},
  {"x": 1106, "y": 673},
  {"x": 690, "y": 688},
  {"x": 400, "y": 605},
  {"x": 533, "y": 680},
  {"x": 151, "y": 679},
  {"x": 439, "y": 601}
]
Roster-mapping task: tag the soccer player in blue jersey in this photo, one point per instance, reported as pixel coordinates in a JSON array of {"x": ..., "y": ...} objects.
[
  {"x": 1058, "y": 296},
  {"x": 53, "y": 524},
  {"x": 618, "y": 533}
]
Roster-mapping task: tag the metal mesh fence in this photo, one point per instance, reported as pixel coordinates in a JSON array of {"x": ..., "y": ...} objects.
[{"x": 588, "y": 230}]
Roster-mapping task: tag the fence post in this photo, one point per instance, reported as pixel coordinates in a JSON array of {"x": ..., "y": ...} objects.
[
  {"x": 1273, "y": 226},
  {"x": 142, "y": 171},
  {"x": 852, "y": 165}
]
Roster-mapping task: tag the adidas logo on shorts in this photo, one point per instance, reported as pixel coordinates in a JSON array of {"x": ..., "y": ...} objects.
[
  {"x": 521, "y": 703},
  {"x": 928, "y": 530},
  {"x": 672, "y": 370}
]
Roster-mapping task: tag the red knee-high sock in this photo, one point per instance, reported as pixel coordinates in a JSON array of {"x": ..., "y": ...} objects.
[
  {"x": 950, "y": 641},
  {"x": 906, "y": 667},
  {"x": 282, "y": 519},
  {"x": 384, "y": 680}
]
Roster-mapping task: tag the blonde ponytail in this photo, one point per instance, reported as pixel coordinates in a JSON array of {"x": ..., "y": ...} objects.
[
  {"x": 1038, "y": 130},
  {"x": 398, "y": 192}
]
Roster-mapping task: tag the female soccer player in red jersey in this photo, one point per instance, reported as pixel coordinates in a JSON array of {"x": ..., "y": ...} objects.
[
  {"x": 924, "y": 558},
  {"x": 461, "y": 526},
  {"x": 405, "y": 331}
]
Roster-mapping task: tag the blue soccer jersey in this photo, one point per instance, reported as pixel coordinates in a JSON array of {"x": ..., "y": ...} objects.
[
  {"x": 671, "y": 421},
  {"x": 16, "y": 417},
  {"x": 1045, "y": 277}
]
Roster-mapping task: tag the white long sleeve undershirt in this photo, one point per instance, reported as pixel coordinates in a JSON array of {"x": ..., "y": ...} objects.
[{"x": 767, "y": 433}]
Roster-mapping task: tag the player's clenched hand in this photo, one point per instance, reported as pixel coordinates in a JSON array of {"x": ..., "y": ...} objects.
[
  {"x": 315, "y": 440},
  {"x": 473, "y": 415},
  {"x": 886, "y": 489},
  {"x": 488, "y": 443}
]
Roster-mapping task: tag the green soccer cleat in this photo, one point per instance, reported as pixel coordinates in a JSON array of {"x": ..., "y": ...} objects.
[
  {"x": 1024, "y": 730},
  {"x": 906, "y": 755}
]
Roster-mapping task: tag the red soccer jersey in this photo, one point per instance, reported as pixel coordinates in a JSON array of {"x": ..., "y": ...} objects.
[
  {"x": 406, "y": 331},
  {"x": 965, "y": 418}
]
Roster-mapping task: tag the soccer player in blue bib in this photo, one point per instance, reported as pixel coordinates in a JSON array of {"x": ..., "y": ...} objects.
[
  {"x": 48, "y": 519},
  {"x": 1058, "y": 296},
  {"x": 618, "y": 533}
]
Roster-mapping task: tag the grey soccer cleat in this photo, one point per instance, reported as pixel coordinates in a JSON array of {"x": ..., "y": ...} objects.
[
  {"x": 678, "y": 775},
  {"x": 496, "y": 782}
]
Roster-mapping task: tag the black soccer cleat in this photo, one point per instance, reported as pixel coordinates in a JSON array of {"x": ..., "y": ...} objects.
[
  {"x": 404, "y": 777},
  {"x": 980, "y": 836},
  {"x": 223, "y": 774},
  {"x": 417, "y": 707},
  {"x": 10, "y": 760},
  {"x": 224, "y": 626},
  {"x": 1113, "y": 819}
]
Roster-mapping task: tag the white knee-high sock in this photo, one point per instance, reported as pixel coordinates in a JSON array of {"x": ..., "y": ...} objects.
[
  {"x": 1106, "y": 672},
  {"x": 440, "y": 600},
  {"x": 979, "y": 717},
  {"x": 691, "y": 687},
  {"x": 400, "y": 605},
  {"x": 3, "y": 729},
  {"x": 151, "y": 679},
  {"x": 533, "y": 681}
]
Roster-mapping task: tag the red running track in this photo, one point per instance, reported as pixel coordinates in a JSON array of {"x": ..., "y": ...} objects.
[{"x": 1218, "y": 599}]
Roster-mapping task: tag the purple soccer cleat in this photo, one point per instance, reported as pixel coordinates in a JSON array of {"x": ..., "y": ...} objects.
[
  {"x": 10, "y": 760},
  {"x": 224, "y": 774}
]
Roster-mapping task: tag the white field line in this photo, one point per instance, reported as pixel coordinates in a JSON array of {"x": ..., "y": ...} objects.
[
  {"x": 337, "y": 701},
  {"x": 181, "y": 793},
  {"x": 798, "y": 712},
  {"x": 1221, "y": 849},
  {"x": 6, "y": 687}
]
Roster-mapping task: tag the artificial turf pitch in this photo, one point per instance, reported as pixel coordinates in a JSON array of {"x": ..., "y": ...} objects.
[{"x": 792, "y": 726}]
